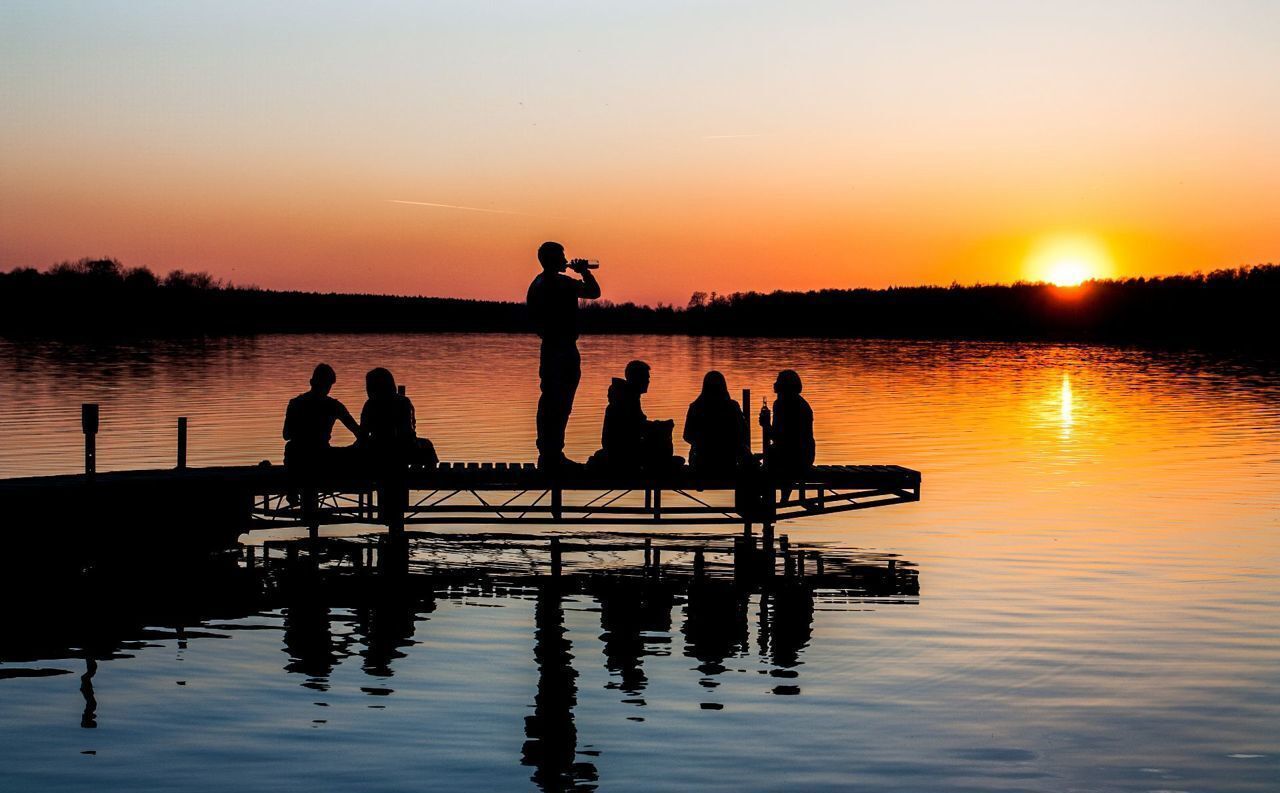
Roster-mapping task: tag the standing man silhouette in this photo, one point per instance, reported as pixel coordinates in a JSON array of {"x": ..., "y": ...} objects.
[{"x": 553, "y": 305}]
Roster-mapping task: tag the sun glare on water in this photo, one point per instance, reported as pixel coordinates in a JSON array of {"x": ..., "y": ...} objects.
[{"x": 1068, "y": 261}]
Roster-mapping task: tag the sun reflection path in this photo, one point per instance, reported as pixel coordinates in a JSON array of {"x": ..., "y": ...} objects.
[{"x": 1066, "y": 419}]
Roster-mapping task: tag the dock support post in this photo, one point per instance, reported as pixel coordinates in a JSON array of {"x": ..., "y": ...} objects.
[
  {"x": 817, "y": 563},
  {"x": 89, "y": 423},
  {"x": 766, "y": 549},
  {"x": 699, "y": 566},
  {"x": 800, "y": 564},
  {"x": 657, "y": 503},
  {"x": 656, "y": 570},
  {"x": 648, "y": 552},
  {"x": 739, "y": 562},
  {"x": 557, "y": 501},
  {"x": 788, "y": 563},
  {"x": 182, "y": 442},
  {"x": 556, "y": 558},
  {"x": 746, "y": 413}
]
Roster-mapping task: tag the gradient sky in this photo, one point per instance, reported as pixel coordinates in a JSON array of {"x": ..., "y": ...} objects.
[{"x": 687, "y": 145}]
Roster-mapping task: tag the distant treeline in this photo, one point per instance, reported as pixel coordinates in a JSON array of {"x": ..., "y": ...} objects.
[{"x": 101, "y": 298}]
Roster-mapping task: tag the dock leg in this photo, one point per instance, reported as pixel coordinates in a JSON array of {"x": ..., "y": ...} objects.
[
  {"x": 648, "y": 552},
  {"x": 766, "y": 550},
  {"x": 656, "y": 570},
  {"x": 699, "y": 566},
  {"x": 557, "y": 503},
  {"x": 556, "y": 558},
  {"x": 657, "y": 503}
]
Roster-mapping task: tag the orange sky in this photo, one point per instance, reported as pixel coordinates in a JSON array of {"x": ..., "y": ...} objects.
[{"x": 711, "y": 146}]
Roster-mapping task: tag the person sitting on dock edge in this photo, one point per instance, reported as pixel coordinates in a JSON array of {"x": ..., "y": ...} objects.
[
  {"x": 553, "y": 306},
  {"x": 715, "y": 429},
  {"x": 309, "y": 420},
  {"x": 789, "y": 447},
  {"x": 629, "y": 440},
  {"x": 390, "y": 426}
]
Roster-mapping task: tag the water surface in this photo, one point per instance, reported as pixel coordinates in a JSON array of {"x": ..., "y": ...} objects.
[{"x": 1098, "y": 548}]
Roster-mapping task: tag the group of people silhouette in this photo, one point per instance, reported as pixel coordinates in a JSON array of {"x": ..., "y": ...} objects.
[{"x": 715, "y": 427}]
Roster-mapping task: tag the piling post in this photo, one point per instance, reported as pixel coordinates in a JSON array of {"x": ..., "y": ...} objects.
[
  {"x": 556, "y": 558},
  {"x": 800, "y": 564},
  {"x": 699, "y": 566},
  {"x": 89, "y": 423},
  {"x": 182, "y": 442},
  {"x": 657, "y": 503},
  {"x": 766, "y": 549},
  {"x": 656, "y": 570},
  {"x": 739, "y": 562},
  {"x": 746, "y": 413},
  {"x": 557, "y": 502},
  {"x": 817, "y": 564},
  {"x": 788, "y": 563},
  {"x": 648, "y": 552}
]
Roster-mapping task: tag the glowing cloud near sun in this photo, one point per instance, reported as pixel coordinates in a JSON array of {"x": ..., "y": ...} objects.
[{"x": 1068, "y": 261}]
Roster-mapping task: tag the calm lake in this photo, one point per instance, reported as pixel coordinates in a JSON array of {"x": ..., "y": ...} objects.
[{"x": 1097, "y": 549}]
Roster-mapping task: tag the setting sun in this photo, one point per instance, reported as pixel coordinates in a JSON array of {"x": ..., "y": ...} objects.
[{"x": 1068, "y": 261}]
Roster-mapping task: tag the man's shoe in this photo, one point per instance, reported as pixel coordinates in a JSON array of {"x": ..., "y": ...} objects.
[{"x": 560, "y": 463}]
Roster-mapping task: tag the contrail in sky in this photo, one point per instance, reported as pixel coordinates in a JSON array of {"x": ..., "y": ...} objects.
[{"x": 470, "y": 209}]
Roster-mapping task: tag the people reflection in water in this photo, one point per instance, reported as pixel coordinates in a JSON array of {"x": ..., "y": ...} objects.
[
  {"x": 309, "y": 420},
  {"x": 89, "y": 718},
  {"x": 389, "y": 425},
  {"x": 551, "y": 745},
  {"x": 629, "y": 440},
  {"x": 715, "y": 429},
  {"x": 786, "y": 626},
  {"x": 715, "y": 628},
  {"x": 628, "y": 610},
  {"x": 388, "y": 628},
  {"x": 553, "y": 307},
  {"x": 309, "y": 643}
]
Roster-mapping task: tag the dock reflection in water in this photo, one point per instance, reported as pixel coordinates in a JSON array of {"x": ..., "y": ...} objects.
[{"x": 328, "y": 611}]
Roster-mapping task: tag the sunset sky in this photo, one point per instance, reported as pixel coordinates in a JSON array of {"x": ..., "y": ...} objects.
[{"x": 687, "y": 145}]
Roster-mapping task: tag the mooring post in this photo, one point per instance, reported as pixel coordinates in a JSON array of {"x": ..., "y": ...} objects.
[
  {"x": 557, "y": 502},
  {"x": 699, "y": 566},
  {"x": 182, "y": 442},
  {"x": 656, "y": 570},
  {"x": 555, "y": 557},
  {"x": 817, "y": 564},
  {"x": 89, "y": 423},
  {"x": 746, "y": 413},
  {"x": 800, "y": 564},
  {"x": 648, "y": 552}
]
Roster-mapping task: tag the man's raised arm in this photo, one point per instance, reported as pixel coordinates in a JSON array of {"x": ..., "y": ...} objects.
[{"x": 590, "y": 288}]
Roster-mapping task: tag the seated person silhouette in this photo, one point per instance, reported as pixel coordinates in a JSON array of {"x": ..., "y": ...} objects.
[
  {"x": 715, "y": 429},
  {"x": 630, "y": 441},
  {"x": 389, "y": 425},
  {"x": 788, "y": 435},
  {"x": 308, "y": 423}
]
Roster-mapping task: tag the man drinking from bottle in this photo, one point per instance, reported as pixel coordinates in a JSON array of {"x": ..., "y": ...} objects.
[{"x": 553, "y": 306}]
